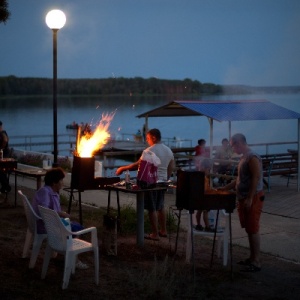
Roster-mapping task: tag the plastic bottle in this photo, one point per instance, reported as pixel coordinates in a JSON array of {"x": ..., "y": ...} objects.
[
  {"x": 127, "y": 176},
  {"x": 127, "y": 180},
  {"x": 211, "y": 218}
]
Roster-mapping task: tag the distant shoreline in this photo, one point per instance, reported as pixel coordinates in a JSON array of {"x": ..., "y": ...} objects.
[{"x": 12, "y": 86}]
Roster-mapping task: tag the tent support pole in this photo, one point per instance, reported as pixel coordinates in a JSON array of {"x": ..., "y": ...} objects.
[{"x": 211, "y": 136}]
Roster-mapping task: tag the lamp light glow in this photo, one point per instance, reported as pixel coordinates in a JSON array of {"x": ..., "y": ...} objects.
[{"x": 55, "y": 19}]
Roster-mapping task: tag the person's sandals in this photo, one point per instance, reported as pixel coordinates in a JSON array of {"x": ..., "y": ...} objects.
[
  {"x": 151, "y": 237},
  {"x": 162, "y": 235},
  {"x": 81, "y": 266},
  {"x": 251, "y": 268},
  {"x": 246, "y": 262},
  {"x": 209, "y": 229},
  {"x": 199, "y": 227}
]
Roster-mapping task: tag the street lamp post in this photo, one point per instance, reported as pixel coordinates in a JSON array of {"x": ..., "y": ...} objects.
[{"x": 55, "y": 20}]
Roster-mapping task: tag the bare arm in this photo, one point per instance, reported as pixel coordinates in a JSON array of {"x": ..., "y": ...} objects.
[
  {"x": 229, "y": 186},
  {"x": 171, "y": 168},
  {"x": 63, "y": 214},
  {"x": 131, "y": 167}
]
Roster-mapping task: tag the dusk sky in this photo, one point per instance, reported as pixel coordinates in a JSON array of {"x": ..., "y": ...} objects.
[{"x": 252, "y": 42}]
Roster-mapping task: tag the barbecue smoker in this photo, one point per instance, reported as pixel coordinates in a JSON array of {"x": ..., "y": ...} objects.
[
  {"x": 191, "y": 195},
  {"x": 83, "y": 178}
]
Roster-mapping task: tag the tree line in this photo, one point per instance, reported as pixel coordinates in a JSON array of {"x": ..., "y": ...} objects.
[
  {"x": 4, "y": 12},
  {"x": 14, "y": 86}
]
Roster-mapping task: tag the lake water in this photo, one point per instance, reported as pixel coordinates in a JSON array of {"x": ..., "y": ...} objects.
[{"x": 34, "y": 116}]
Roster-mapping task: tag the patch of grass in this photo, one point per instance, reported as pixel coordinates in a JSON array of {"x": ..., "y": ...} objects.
[
  {"x": 128, "y": 219},
  {"x": 157, "y": 282}
]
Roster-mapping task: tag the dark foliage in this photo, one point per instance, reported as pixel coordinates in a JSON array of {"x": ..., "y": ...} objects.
[
  {"x": 4, "y": 13},
  {"x": 12, "y": 85}
]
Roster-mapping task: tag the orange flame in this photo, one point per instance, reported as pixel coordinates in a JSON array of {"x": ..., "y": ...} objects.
[{"x": 90, "y": 143}]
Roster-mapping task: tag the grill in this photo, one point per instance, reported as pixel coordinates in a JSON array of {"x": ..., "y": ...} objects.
[
  {"x": 8, "y": 164},
  {"x": 83, "y": 178},
  {"x": 191, "y": 195}
]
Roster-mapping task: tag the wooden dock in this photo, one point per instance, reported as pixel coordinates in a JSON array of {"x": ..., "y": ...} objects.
[{"x": 115, "y": 145}]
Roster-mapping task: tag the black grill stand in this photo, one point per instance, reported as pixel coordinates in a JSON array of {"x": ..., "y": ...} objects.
[{"x": 191, "y": 195}]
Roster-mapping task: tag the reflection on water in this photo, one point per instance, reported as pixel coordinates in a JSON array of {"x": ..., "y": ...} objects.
[{"x": 34, "y": 116}]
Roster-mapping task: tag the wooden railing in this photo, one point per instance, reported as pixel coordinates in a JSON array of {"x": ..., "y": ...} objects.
[
  {"x": 37, "y": 142},
  {"x": 67, "y": 142}
]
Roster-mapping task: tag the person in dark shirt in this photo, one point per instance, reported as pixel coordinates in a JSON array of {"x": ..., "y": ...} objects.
[
  {"x": 5, "y": 187},
  {"x": 4, "y": 141}
]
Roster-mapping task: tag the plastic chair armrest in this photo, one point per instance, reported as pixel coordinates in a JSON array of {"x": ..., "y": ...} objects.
[{"x": 92, "y": 230}]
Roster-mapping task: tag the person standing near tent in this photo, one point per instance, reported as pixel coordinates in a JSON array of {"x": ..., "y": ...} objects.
[
  {"x": 250, "y": 196},
  {"x": 224, "y": 153},
  {"x": 5, "y": 187},
  {"x": 144, "y": 132},
  {"x": 4, "y": 141},
  {"x": 154, "y": 200},
  {"x": 201, "y": 153}
]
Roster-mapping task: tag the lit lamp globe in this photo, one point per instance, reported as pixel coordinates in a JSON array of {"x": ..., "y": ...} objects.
[{"x": 55, "y": 19}]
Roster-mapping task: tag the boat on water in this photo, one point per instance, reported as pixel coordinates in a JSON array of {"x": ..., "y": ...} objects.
[{"x": 72, "y": 126}]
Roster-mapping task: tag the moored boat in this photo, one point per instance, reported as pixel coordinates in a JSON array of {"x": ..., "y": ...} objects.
[{"x": 72, "y": 126}]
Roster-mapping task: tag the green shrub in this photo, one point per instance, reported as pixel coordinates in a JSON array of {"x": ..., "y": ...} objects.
[{"x": 36, "y": 160}]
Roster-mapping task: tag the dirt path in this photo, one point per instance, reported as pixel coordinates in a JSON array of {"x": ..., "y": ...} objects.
[{"x": 152, "y": 272}]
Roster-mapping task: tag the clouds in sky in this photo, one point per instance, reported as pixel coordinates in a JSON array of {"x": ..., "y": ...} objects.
[{"x": 250, "y": 42}]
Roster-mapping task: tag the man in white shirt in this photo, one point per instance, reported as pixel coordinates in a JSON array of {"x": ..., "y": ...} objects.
[{"x": 154, "y": 200}]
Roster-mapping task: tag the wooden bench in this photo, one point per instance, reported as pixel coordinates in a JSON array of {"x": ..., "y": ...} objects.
[{"x": 285, "y": 164}]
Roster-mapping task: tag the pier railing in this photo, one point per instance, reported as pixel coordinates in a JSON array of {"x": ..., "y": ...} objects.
[
  {"x": 67, "y": 142},
  {"x": 43, "y": 143},
  {"x": 171, "y": 142}
]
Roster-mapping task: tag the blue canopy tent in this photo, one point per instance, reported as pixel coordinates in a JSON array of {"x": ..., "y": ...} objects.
[{"x": 226, "y": 111}]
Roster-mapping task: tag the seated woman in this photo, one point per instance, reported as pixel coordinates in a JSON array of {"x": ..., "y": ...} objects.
[{"x": 48, "y": 196}]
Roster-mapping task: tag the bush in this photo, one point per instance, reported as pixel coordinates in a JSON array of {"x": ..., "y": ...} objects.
[{"x": 36, "y": 160}]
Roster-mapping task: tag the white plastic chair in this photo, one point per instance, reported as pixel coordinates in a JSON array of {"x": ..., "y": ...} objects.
[
  {"x": 60, "y": 240},
  {"x": 31, "y": 234},
  {"x": 222, "y": 236}
]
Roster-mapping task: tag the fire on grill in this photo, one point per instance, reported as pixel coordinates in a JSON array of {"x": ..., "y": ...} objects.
[{"x": 83, "y": 170}]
